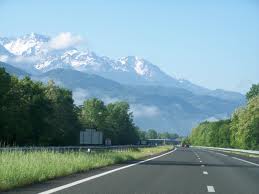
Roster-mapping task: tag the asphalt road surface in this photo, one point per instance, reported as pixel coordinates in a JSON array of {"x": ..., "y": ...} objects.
[{"x": 184, "y": 170}]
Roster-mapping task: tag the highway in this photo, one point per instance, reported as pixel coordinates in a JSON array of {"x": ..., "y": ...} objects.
[{"x": 183, "y": 170}]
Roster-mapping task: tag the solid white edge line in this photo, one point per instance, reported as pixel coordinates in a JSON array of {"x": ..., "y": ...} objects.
[
  {"x": 246, "y": 161},
  {"x": 221, "y": 154},
  {"x": 210, "y": 189},
  {"x": 100, "y": 175}
]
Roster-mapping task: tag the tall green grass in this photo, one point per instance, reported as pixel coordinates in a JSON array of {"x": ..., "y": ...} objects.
[{"x": 22, "y": 168}]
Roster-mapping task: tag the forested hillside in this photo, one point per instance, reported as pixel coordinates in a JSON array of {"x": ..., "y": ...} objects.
[{"x": 241, "y": 131}]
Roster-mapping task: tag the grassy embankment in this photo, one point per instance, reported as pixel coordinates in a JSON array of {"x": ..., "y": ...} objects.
[{"x": 20, "y": 168}]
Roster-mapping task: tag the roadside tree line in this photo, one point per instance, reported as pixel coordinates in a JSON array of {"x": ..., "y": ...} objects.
[
  {"x": 240, "y": 131},
  {"x": 153, "y": 134},
  {"x": 33, "y": 113}
]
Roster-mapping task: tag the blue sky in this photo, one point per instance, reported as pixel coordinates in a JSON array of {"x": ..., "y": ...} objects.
[{"x": 212, "y": 43}]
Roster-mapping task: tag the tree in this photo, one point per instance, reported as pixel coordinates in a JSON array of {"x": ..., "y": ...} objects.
[
  {"x": 24, "y": 119},
  {"x": 93, "y": 114},
  {"x": 38, "y": 107},
  {"x": 245, "y": 126},
  {"x": 120, "y": 121},
  {"x": 235, "y": 132},
  {"x": 63, "y": 120},
  {"x": 5, "y": 86},
  {"x": 36, "y": 114},
  {"x": 142, "y": 134},
  {"x": 152, "y": 134},
  {"x": 224, "y": 133},
  {"x": 242, "y": 131},
  {"x": 167, "y": 135},
  {"x": 5, "y": 83},
  {"x": 254, "y": 91},
  {"x": 186, "y": 140},
  {"x": 211, "y": 134}
]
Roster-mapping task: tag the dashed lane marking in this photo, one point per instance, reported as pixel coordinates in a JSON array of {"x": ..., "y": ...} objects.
[{"x": 210, "y": 189}]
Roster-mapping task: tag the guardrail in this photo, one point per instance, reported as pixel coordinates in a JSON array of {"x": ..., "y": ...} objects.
[
  {"x": 230, "y": 149},
  {"x": 75, "y": 148}
]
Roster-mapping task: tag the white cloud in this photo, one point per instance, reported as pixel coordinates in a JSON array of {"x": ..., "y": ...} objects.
[
  {"x": 144, "y": 111},
  {"x": 217, "y": 117},
  {"x": 211, "y": 119},
  {"x": 65, "y": 40},
  {"x": 108, "y": 99},
  {"x": 25, "y": 59},
  {"x": 4, "y": 58},
  {"x": 80, "y": 95},
  {"x": 25, "y": 63}
]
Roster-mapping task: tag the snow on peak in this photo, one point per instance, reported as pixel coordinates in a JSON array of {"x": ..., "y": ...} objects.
[
  {"x": 137, "y": 64},
  {"x": 141, "y": 67},
  {"x": 71, "y": 52},
  {"x": 27, "y": 45},
  {"x": 47, "y": 58}
]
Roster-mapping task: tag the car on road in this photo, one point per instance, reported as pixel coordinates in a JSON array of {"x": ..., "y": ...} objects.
[{"x": 185, "y": 145}]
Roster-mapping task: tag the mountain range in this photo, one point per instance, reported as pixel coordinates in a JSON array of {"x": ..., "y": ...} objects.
[{"x": 157, "y": 99}]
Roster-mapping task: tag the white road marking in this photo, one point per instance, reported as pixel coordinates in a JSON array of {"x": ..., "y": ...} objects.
[
  {"x": 100, "y": 175},
  {"x": 202, "y": 165},
  {"x": 196, "y": 154},
  {"x": 200, "y": 161},
  {"x": 205, "y": 172},
  {"x": 220, "y": 154},
  {"x": 246, "y": 161},
  {"x": 210, "y": 189}
]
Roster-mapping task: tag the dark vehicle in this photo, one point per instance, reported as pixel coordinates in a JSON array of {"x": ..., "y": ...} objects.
[{"x": 185, "y": 145}]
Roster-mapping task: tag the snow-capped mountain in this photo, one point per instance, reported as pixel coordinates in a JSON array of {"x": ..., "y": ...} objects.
[
  {"x": 28, "y": 45},
  {"x": 35, "y": 53},
  {"x": 37, "y": 47}
]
